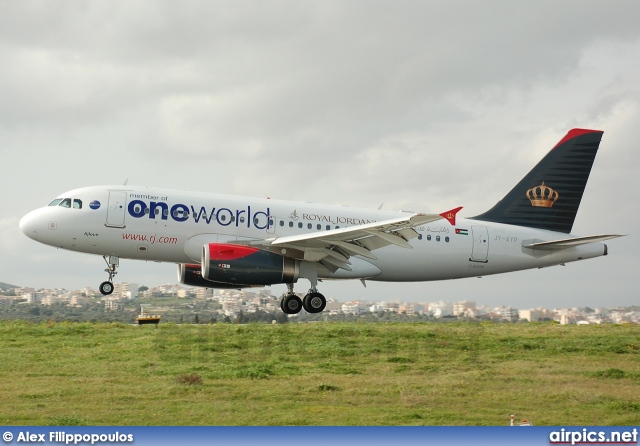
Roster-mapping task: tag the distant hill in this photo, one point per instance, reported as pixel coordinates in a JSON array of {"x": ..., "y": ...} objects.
[{"x": 6, "y": 286}]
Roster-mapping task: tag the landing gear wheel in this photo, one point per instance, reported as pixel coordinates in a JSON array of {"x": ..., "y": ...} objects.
[
  {"x": 106, "y": 288},
  {"x": 291, "y": 304},
  {"x": 314, "y": 302},
  {"x": 112, "y": 262}
]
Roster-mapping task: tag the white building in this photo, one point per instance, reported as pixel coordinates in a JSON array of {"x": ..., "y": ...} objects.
[
  {"x": 33, "y": 298},
  {"x": 126, "y": 290},
  {"x": 439, "y": 309},
  {"x": 113, "y": 304},
  {"x": 377, "y": 307},
  {"x": 464, "y": 308},
  {"x": 354, "y": 307},
  {"x": 536, "y": 315},
  {"x": 509, "y": 313},
  {"x": 53, "y": 299}
]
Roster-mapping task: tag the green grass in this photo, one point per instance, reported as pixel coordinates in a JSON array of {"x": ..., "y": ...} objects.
[{"x": 318, "y": 374}]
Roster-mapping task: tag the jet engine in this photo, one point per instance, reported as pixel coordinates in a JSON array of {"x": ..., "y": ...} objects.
[
  {"x": 191, "y": 275},
  {"x": 245, "y": 265}
]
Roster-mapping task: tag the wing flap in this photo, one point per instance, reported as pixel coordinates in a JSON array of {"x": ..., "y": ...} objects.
[{"x": 355, "y": 249}]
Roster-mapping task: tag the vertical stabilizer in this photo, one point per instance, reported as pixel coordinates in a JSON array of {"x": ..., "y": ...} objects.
[{"x": 548, "y": 197}]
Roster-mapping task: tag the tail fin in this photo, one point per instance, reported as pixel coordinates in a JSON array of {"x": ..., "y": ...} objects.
[{"x": 548, "y": 197}]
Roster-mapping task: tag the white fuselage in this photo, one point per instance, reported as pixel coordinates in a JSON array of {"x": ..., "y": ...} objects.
[{"x": 172, "y": 226}]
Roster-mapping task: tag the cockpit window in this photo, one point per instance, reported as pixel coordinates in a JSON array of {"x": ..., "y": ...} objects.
[{"x": 67, "y": 203}]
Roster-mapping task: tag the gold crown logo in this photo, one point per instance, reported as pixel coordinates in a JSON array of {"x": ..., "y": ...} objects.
[{"x": 542, "y": 196}]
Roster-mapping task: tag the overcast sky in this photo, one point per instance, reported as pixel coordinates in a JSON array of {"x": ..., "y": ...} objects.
[{"x": 421, "y": 105}]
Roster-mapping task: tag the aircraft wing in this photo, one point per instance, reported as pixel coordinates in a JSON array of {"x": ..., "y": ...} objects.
[{"x": 334, "y": 247}]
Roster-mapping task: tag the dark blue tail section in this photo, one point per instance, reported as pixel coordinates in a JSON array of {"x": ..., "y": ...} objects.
[{"x": 548, "y": 197}]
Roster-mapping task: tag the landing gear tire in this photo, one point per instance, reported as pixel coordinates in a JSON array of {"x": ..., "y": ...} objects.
[
  {"x": 291, "y": 304},
  {"x": 112, "y": 262},
  {"x": 314, "y": 302},
  {"x": 106, "y": 288}
]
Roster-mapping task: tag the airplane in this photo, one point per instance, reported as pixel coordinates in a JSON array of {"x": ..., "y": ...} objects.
[{"x": 233, "y": 242}]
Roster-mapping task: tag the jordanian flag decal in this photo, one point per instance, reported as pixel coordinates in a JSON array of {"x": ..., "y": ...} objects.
[{"x": 462, "y": 231}]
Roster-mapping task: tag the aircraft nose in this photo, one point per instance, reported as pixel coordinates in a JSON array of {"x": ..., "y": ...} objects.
[{"x": 29, "y": 225}]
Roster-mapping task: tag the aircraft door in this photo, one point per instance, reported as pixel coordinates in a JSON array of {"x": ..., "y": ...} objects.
[
  {"x": 116, "y": 209},
  {"x": 480, "y": 250}
]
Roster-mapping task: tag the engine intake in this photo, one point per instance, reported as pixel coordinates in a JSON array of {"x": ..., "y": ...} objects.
[{"x": 237, "y": 264}]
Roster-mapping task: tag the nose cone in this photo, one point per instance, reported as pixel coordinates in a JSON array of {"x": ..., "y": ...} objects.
[{"x": 29, "y": 225}]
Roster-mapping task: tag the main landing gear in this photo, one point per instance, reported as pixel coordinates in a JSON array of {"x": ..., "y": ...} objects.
[
  {"x": 112, "y": 262},
  {"x": 313, "y": 302}
]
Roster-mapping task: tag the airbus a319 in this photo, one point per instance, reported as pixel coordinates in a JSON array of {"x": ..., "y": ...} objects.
[{"x": 222, "y": 241}]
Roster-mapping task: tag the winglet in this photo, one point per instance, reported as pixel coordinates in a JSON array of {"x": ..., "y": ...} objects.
[{"x": 450, "y": 216}]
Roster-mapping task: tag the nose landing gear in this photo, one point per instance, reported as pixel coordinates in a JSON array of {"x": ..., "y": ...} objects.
[{"x": 112, "y": 262}]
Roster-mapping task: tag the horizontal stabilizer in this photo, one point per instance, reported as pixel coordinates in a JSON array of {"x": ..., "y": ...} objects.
[{"x": 556, "y": 245}]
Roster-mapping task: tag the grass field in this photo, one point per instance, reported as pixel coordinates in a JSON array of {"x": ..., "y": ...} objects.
[{"x": 318, "y": 374}]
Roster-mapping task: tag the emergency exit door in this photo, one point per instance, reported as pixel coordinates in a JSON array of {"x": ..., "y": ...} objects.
[{"x": 480, "y": 250}]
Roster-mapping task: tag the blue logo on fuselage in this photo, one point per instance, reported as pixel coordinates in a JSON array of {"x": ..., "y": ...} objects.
[
  {"x": 95, "y": 204},
  {"x": 181, "y": 213}
]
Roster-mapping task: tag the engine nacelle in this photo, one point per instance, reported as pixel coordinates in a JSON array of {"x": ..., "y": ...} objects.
[
  {"x": 245, "y": 265},
  {"x": 191, "y": 274}
]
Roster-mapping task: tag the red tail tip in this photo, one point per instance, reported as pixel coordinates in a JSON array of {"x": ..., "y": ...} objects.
[{"x": 573, "y": 133}]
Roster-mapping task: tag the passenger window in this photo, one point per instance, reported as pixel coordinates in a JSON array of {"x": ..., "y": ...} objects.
[
  {"x": 328, "y": 227},
  {"x": 146, "y": 211},
  {"x": 65, "y": 203},
  {"x": 429, "y": 237},
  {"x": 256, "y": 221},
  {"x": 281, "y": 222},
  {"x": 180, "y": 213},
  {"x": 319, "y": 227},
  {"x": 165, "y": 212},
  {"x": 223, "y": 217},
  {"x": 241, "y": 219},
  {"x": 309, "y": 226},
  {"x": 437, "y": 238},
  {"x": 55, "y": 202},
  {"x": 233, "y": 219},
  {"x": 419, "y": 236},
  {"x": 446, "y": 239},
  {"x": 291, "y": 224},
  {"x": 77, "y": 204},
  {"x": 300, "y": 225},
  {"x": 270, "y": 222}
]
